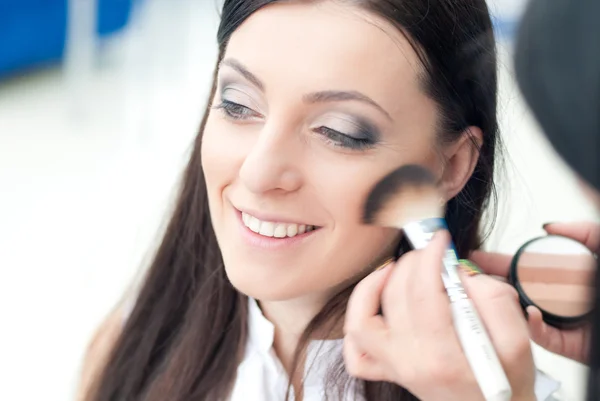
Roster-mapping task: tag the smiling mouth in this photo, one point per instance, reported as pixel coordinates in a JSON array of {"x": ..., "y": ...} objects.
[{"x": 275, "y": 229}]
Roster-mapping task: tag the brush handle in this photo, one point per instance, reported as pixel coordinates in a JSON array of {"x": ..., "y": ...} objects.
[
  {"x": 480, "y": 353},
  {"x": 474, "y": 339}
]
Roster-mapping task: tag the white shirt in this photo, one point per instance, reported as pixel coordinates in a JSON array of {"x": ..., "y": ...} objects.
[{"x": 261, "y": 377}]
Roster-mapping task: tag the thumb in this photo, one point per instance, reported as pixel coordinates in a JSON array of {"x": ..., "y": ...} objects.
[{"x": 588, "y": 233}]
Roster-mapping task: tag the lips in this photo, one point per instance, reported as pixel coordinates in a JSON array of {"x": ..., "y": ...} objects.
[{"x": 275, "y": 229}]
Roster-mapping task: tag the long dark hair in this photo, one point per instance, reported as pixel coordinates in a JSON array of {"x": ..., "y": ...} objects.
[{"x": 186, "y": 334}]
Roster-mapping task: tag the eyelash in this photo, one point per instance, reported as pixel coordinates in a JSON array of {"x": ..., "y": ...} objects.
[
  {"x": 345, "y": 141},
  {"x": 237, "y": 111}
]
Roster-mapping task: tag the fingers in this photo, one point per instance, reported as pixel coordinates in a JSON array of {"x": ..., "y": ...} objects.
[
  {"x": 413, "y": 285},
  {"x": 363, "y": 325},
  {"x": 588, "y": 233},
  {"x": 431, "y": 264},
  {"x": 542, "y": 334},
  {"x": 361, "y": 364},
  {"x": 415, "y": 296},
  {"x": 498, "y": 306},
  {"x": 425, "y": 276},
  {"x": 497, "y": 264},
  {"x": 428, "y": 289},
  {"x": 538, "y": 330},
  {"x": 416, "y": 285},
  {"x": 365, "y": 301}
]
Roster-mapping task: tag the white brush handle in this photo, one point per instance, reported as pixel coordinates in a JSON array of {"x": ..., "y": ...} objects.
[
  {"x": 474, "y": 339},
  {"x": 480, "y": 352}
]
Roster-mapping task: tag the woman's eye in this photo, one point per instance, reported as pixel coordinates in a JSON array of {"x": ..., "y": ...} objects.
[
  {"x": 346, "y": 141},
  {"x": 236, "y": 111}
]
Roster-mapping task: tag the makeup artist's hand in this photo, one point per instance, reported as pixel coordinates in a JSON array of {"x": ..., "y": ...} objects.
[
  {"x": 573, "y": 343},
  {"x": 416, "y": 346}
]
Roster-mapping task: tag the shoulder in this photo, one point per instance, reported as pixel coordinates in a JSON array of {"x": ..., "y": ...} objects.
[{"x": 99, "y": 348}]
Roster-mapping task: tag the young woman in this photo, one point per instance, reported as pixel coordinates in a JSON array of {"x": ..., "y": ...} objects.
[{"x": 312, "y": 103}]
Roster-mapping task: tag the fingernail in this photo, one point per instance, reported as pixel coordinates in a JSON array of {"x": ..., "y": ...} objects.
[
  {"x": 470, "y": 268},
  {"x": 527, "y": 311},
  {"x": 530, "y": 309},
  {"x": 385, "y": 265},
  {"x": 547, "y": 224}
]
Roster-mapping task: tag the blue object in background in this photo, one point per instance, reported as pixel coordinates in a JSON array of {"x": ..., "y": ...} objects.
[
  {"x": 506, "y": 15},
  {"x": 505, "y": 28},
  {"x": 33, "y": 32}
]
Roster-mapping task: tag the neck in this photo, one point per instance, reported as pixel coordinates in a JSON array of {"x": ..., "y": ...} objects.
[{"x": 290, "y": 318}]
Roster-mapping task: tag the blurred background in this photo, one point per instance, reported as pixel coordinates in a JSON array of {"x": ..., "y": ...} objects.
[{"x": 99, "y": 103}]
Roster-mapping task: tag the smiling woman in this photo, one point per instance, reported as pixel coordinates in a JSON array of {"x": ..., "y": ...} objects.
[
  {"x": 312, "y": 103},
  {"x": 298, "y": 132}
]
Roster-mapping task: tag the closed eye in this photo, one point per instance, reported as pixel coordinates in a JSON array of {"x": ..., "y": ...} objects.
[
  {"x": 236, "y": 111},
  {"x": 337, "y": 138}
]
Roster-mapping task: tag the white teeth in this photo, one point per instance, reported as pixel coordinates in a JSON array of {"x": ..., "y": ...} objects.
[
  {"x": 271, "y": 229},
  {"x": 292, "y": 230},
  {"x": 254, "y": 224},
  {"x": 267, "y": 228},
  {"x": 280, "y": 231}
]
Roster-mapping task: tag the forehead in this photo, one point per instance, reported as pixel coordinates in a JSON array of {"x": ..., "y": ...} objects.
[{"x": 310, "y": 46}]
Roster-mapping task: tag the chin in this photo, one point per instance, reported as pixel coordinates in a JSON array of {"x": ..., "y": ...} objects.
[{"x": 264, "y": 285}]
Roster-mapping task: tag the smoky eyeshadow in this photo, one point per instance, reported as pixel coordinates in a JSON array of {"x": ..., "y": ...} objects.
[
  {"x": 365, "y": 129},
  {"x": 226, "y": 81},
  {"x": 223, "y": 84}
]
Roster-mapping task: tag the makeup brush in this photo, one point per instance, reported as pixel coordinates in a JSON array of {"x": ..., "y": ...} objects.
[{"x": 409, "y": 199}]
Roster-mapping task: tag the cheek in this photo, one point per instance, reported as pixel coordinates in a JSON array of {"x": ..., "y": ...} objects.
[
  {"x": 356, "y": 246},
  {"x": 220, "y": 166},
  {"x": 220, "y": 163}
]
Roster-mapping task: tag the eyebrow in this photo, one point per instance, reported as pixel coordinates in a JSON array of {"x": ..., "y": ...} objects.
[
  {"x": 316, "y": 97},
  {"x": 239, "y": 67},
  {"x": 341, "y": 96}
]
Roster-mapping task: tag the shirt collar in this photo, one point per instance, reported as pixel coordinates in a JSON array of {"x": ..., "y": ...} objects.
[
  {"x": 321, "y": 353},
  {"x": 261, "y": 331}
]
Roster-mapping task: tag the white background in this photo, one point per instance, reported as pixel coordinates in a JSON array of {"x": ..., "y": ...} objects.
[{"x": 89, "y": 157}]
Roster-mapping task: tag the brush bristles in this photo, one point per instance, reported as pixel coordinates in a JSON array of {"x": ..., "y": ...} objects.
[{"x": 407, "y": 194}]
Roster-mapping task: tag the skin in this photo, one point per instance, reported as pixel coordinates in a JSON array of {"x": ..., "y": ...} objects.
[
  {"x": 574, "y": 343},
  {"x": 272, "y": 155},
  {"x": 277, "y": 162},
  {"x": 422, "y": 351}
]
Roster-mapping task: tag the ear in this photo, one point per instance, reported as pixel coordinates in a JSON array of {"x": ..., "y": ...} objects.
[{"x": 460, "y": 160}]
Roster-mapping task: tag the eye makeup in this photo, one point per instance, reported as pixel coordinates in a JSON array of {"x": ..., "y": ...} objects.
[
  {"x": 235, "y": 103},
  {"x": 338, "y": 129},
  {"x": 347, "y": 131},
  {"x": 236, "y": 111}
]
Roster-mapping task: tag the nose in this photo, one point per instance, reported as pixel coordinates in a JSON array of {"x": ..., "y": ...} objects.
[{"x": 272, "y": 163}]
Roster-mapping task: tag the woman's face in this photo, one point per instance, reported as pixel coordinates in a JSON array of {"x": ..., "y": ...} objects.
[{"x": 315, "y": 103}]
